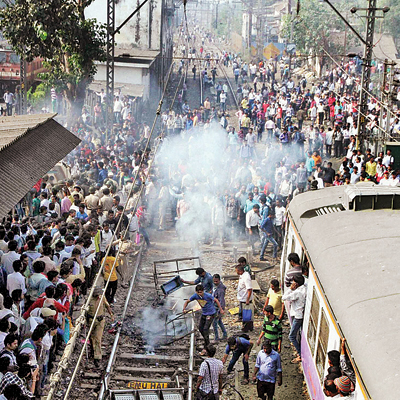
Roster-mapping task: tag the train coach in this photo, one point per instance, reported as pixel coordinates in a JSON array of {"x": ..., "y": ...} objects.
[{"x": 349, "y": 237}]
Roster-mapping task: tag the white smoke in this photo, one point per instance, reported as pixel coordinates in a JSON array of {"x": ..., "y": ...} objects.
[{"x": 198, "y": 161}]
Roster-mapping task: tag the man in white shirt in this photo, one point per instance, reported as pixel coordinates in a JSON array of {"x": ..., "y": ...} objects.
[
  {"x": 388, "y": 159},
  {"x": 252, "y": 220},
  {"x": 44, "y": 202},
  {"x": 296, "y": 294},
  {"x": 385, "y": 181},
  {"x": 251, "y": 142},
  {"x": 270, "y": 126},
  {"x": 7, "y": 259},
  {"x": 106, "y": 236},
  {"x": 8, "y": 99},
  {"x": 279, "y": 219},
  {"x": 16, "y": 280},
  {"x": 244, "y": 295},
  {"x": 222, "y": 99},
  {"x": 118, "y": 106}
]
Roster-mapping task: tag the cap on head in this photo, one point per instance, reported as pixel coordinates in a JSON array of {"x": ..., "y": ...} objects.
[
  {"x": 343, "y": 384},
  {"x": 47, "y": 312}
]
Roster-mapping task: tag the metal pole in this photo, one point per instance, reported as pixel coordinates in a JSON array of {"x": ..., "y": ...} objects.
[
  {"x": 22, "y": 77},
  {"x": 191, "y": 360},
  {"x": 389, "y": 102},
  {"x": 110, "y": 67},
  {"x": 104, "y": 384},
  {"x": 383, "y": 94},
  {"x": 366, "y": 72}
]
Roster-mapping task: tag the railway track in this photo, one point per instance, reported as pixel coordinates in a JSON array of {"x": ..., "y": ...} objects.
[
  {"x": 152, "y": 352},
  {"x": 232, "y": 103}
]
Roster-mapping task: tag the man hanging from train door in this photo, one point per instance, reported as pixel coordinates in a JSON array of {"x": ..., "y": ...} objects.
[{"x": 296, "y": 295}]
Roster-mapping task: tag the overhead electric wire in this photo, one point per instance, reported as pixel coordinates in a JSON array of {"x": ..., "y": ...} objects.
[
  {"x": 62, "y": 366},
  {"x": 365, "y": 90}
]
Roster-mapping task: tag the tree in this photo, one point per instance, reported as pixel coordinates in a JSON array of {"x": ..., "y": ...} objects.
[
  {"x": 58, "y": 32},
  {"x": 317, "y": 27}
]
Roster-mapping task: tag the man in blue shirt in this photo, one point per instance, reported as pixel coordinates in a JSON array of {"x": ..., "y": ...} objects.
[
  {"x": 250, "y": 202},
  {"x": 208, "y": 311},
  {"x": 238, "y": 346},
  {"x": 267, "y": 371},
  {"x": 267, "y": 229},
  {"x": 204, "y": 278},
  {"x": 103, "y": 174}
]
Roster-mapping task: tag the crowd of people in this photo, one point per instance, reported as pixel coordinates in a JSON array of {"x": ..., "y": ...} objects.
[
  {"x": 213, "y": 180},
  {"x": 52, "y": 248}
]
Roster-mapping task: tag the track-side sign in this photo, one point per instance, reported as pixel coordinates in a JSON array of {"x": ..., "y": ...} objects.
[{"x": 147, "y": 385}]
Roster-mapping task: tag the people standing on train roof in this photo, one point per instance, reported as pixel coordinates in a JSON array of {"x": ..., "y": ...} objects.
[
  {"x": 204, "y": 278},
  {"x": 296, "y": 295},
  {"x": 295, "y": 270},
  {"x": 208, "y": 312}
]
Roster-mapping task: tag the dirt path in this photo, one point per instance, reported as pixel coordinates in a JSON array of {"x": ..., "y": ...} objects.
[{"x": 217, "y": 259}]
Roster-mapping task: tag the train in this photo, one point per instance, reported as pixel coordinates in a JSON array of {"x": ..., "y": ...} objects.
[{"x": 348, "y": 236}]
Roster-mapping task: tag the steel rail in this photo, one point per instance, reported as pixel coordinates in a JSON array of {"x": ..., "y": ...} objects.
[
  {"x": 105, "y": 381},
  {"x": 81, "y": 318},
  {"x": 229, "y": 83}
]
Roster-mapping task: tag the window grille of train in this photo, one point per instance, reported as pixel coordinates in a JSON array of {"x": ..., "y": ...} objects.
[
  {"x": 313, "y": 323},
  {"x": 322, "y": 346},
  {"x": 317, "y": 212},
  {"x": 375, "y": 202}
]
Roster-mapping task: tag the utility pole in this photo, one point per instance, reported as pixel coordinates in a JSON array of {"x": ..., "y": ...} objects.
[
  {"x": 366, "y": 65},
  {"x": 111, "y": 32},
  {"x": 110, "y": 67},
  {"x": 384, "y": 94},
  {"x": 392, "y": 83},
  {"x": 22, "y": 94},
  {"x": 366, "y": 72}
]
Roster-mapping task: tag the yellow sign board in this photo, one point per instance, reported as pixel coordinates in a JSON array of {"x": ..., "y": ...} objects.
[
  {"x": 147, "y": 385},
  {"x": 271, "y": 51}
]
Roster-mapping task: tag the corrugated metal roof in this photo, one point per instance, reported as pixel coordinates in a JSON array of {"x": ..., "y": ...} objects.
[{"x": 30, "y": 145}]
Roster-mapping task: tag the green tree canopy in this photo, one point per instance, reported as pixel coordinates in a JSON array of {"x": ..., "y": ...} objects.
[
  {"x": 58, "y": 32},
  {"x": 317, "y": 27}
]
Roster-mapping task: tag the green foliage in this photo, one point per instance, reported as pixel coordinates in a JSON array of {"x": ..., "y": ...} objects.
[
  {"x": 316, "y": 27},
  {"x": 392, "y": 18},
  {"x": 37, "y": 96},
  {"x": 229, "y": 19},
  {"x": 56, "y": 31}
]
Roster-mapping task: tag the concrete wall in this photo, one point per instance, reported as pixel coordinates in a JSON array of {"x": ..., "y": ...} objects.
[
  {"x": 237, "y": 42},
  {"x": 150, "y": 29},
  {"x": 142, "y": 31}
]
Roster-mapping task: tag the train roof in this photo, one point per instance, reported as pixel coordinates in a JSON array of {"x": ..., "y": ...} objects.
[{"x": 352, "y": 236}]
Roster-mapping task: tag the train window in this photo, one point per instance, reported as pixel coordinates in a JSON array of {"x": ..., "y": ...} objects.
[
  {"x": 322, "y": 347},
  {"x": 284, "y": 253},
  {"x": 313, "y": 323},
  {"x": 293, "y": 248},
  {"x": 302, "y": 256}
]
